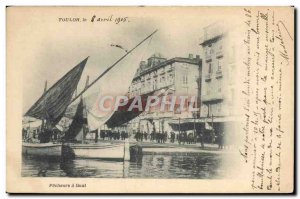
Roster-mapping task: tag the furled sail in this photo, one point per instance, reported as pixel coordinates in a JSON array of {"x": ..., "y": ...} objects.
[
  {"x": 94, "y": 121},
  {"x": 53, "y": 103},
  {"x": 96, "y": 118},
  {"x": 77, "y": 125}
]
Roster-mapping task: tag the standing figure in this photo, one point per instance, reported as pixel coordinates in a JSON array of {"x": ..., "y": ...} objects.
[
  {"x": 172, "y": 137},
  {"x": 96, "y": 137},
  {"x": 102, "y": 134},
  {"x": 145, "y": 136},
  {"x": 221, "y": 140},
  {"x": 201, "y": 140},
  {"x": 165, "y": 136},
  {"x": 152, "y": 136}
]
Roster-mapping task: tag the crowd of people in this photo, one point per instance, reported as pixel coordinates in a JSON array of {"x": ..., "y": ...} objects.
[
  {"x": 183, "y": 137},
  {"x": 112, "y": 135},
  {"x": 160, "y": 137},
  {"x": 41, "y": 136}
]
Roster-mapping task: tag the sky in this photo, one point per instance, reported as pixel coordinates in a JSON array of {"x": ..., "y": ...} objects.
[{"x": 46, "y": 49}]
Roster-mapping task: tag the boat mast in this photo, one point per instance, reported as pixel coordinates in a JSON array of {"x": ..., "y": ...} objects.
[
  {"x": 85, "y": 130},
  {"x": 43, "y": 120},
  {"x": 109, "y": 68}
]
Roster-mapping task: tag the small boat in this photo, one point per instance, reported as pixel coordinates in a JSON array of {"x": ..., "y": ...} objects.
[
  {"x": 102, "y": 150},
  {"x": 42, "y": 149}
]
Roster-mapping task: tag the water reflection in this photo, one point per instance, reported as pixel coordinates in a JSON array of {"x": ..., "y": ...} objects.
[{"x": 200, "y": 166}]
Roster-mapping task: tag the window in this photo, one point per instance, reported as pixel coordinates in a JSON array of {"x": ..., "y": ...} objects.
[
  {"x": 184, "y": 79},
  {"x": 155, "y": 84},
  {"x": 220, "y": 63},
  {"x": 209, "y": 68},
  {"x": 170, "y": 78}
]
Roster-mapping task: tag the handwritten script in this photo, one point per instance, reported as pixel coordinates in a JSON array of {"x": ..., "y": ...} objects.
[
  {"x": 96, "y": 19},
  {"x": 266, "y": 55}
]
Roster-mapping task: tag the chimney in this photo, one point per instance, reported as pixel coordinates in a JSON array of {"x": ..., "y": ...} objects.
[
  {"x": 190, "y": 56},
  {"x": 197, "y": 57}
]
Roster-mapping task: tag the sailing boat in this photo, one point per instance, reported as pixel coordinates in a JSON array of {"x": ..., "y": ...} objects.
[
  {"x": 50, "y": 108},
  {"x": 104, "y": 149}
]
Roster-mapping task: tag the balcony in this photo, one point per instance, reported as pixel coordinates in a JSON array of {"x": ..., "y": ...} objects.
[
  {"x": 212, "y": 98},
  {"x": 208, "y": 77},
  {"x": 219, "y": 74}
]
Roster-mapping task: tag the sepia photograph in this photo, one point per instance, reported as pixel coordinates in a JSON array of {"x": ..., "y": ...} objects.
[{"x": 130, "y": 96}]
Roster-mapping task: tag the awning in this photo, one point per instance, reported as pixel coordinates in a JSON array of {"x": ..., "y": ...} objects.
[
  {"x": 186, "y": 126},
  {"x": 122, "y": 115}
]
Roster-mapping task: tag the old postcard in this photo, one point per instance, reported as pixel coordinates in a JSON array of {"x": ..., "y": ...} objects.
[{"x": 150, "y": 99}]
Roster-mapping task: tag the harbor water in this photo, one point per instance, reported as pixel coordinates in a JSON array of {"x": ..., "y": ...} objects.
[{"x": 189, "y": 166}]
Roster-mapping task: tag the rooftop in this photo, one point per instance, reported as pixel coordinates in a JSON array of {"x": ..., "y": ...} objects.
[
  {"x": 190, "y": 60},
  {"x": 213, "y": 33}
]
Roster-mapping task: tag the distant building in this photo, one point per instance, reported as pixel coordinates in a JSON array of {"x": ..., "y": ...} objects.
[
  {"x": 218, "y": 76},
  {"x": 178, "y": 76}
]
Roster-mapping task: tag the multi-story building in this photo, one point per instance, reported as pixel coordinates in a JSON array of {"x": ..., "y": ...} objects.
[
  {"x": 179, "y": 76},
  {"x": 218, "y": 76}
]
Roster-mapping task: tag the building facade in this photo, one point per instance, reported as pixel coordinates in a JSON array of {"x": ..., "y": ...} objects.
[
  {"x": 219, "y": 76},
  {"x": 177, "y": 77}
]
